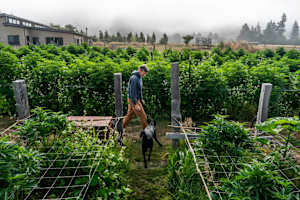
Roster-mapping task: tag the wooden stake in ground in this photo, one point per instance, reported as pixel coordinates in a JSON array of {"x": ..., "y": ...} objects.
[
  {"x": 265, "y": 94},
  {"x": 21, "y": 97},
  {"x": 175, "y": 101},
  {"x": 118, "y": 100}
]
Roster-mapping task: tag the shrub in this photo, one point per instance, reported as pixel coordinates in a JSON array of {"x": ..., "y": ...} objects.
[
  {"x": 70, "y": 148},
  {"x": 38, "y": 128},
  {"x": 293, "y": 54},
  {"x": 9, "y": 68},
  {"x": 222, "y": 137},
  {"x": 268, "y": 53},
  {"x": 143, "y": 54},
  {"x": 17, "y": 165},
  {"x": 257, "y": 181},
  {"x": 79, "y": 79},
  {"x": 109, "y": 180},
  {"x": 290, "y": 125},
  {"x": 280, "y": 51}
]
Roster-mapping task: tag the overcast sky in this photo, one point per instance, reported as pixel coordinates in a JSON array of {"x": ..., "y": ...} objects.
[{"x": 184, "y": 16}]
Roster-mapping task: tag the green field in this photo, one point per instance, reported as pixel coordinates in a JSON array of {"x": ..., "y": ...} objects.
[{"x": 78, "y": 80}]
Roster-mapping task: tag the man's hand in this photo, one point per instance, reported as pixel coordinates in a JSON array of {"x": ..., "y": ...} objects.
[
  {"x": 143, "y": 101},
  {"x": 137, "y": 107}
]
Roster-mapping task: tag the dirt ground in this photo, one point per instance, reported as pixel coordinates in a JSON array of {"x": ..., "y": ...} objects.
[
  {"x": 149, "y": 183},
  {"x": 5, "y": 122}
]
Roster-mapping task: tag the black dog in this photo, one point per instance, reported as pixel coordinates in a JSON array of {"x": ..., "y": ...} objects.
[{"x": 147, "y": 136}]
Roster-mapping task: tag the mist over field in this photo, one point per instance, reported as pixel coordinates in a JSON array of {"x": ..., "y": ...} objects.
[{"x": 170, "y": 16}]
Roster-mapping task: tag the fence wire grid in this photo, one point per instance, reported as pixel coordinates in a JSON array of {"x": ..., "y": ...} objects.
[
  {"x": 64, "y": 174},
  {"x": 214, "y": 169},
  {"x": 217, "y": 168}
]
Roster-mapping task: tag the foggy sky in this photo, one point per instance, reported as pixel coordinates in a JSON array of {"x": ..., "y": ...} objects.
[{"x": 170, "y": 16}]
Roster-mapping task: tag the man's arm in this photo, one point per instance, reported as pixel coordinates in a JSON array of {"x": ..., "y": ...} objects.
[
  {"x": 133, "y": 90},
  {"x": 141, "y": 93}
]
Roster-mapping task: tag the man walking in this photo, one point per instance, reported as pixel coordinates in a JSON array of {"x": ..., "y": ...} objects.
[{"x": 135, "y": 98}]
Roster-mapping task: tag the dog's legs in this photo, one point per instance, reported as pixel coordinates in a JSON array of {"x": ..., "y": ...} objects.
[
  {"x": 150, "y": 151},
  {"x": 145, "y": 161}
]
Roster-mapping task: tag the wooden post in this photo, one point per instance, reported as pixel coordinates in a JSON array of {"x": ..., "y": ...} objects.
[
  {"x": 118, "y": 100},
  {"x": 175, "y": 101},
  {"x": 21, "y": 97},
  {"x": 265, "y": 94}
]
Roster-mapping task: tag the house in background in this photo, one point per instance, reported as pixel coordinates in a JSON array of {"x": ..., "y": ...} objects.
[{"x": 16, "y": 31}]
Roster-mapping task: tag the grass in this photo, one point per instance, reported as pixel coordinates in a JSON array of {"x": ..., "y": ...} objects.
[{"x": 150, "y": 183}]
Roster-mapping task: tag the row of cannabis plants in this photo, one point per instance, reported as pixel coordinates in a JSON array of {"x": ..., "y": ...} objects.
[
  {"x": 236, "y": 165},
  {"x": 25, "y": 154},
  {"x": 79, "y": 79}
]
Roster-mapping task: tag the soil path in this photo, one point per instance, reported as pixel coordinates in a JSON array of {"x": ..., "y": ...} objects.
[{"x": 149, "y": 183}]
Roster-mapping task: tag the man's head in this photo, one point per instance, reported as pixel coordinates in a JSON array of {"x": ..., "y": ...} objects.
[{"x": 143, "y": 69}]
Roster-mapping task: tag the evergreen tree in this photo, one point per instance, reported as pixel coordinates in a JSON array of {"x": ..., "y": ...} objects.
[
  {"x": 101, "y": 36},
  {"x": 281, "y": 25},
  {"x": 113, "y": 38},
  {"x": 129, "y": 37},
  {"x": 148, "y": 39},
  {"x": 153, "y": 39},
  {"x": 295, "y": 33},
  {"x": 281, "y": 30},
  {"x": 245, "y": 33},
  {"x": 106, "y": 37},
  {"x": 164, "y": 39},
  {"x": 258, "y": 28},
  {"x": 136, "y": 37},
  {"x": 142, "y": 37},
  {"x": 119, "y": 37},
  {"x": 257, "y": 33},
  {"x": 270, "y": 33}
]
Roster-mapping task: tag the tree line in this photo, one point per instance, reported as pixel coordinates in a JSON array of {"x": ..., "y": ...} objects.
[
  {"x": 131, "y": 37},
  {"x": 152, "y": 39},
  {"x": 274, "y": 33}
]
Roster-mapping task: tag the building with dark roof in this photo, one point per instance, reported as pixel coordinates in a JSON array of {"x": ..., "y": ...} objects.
[{"x": 17, "y": 31}]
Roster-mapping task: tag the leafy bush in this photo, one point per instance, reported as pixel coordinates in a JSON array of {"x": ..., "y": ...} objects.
[
  {"x": 293, "y": 54},
  {"x": 17, "y": 165},
  {"x": 79, "y": 79},
  {"x": 285, "y": 163},
  {"x": 268, "y": 53},
  {"x": 38, "y": 128},
  {"x": 222, "y": 137},
  {"x": 142, "y": 54},
  {"x": 9, "y": 67},
  {"x": 250, "y": 173},
  {"x": 60, "y": 140},
  {"x": 276, "y": 125},
  {"x": 109, "y": 180},
  {"x": 280, "y": 51},
  {"x": 257, "y": 181}
]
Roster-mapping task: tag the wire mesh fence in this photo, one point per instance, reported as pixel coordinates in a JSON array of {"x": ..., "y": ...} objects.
[
  {"x": 68, "y": 166},
  {"x": 66, "y": 175},
  {"x": 217, "y": 169}
]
